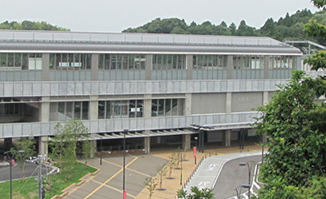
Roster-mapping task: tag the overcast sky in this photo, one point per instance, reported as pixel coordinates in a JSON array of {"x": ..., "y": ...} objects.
[{"x": 115, "y": 16}]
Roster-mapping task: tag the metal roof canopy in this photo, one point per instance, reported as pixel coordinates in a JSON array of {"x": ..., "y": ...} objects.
[
  {"x": 140, "y": 134},
  {"x": 225, "y": 126},
  {"x": 143, "y": 43}
]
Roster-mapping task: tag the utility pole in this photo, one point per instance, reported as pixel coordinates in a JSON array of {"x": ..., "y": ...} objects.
[{"x": 40, "y": 177}]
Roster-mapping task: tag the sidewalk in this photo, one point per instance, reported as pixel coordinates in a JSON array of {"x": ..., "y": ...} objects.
[{"x": 188, "y": 167}]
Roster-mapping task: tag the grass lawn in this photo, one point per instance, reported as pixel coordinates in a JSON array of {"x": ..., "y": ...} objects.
[{"x": 28, "y": 189}]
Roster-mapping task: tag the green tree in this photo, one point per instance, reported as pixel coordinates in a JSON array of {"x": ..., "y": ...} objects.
[
  {"x": 64, "y": 143},
  {"x": 196, "y": 193},
  {"x": 151, "y": 184},
  {"x": 295, "y": 125},
  {"x": 27, "y": 146}
]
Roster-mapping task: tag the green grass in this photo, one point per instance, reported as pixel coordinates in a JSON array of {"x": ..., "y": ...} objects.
[{"x": 28, "y": 188}]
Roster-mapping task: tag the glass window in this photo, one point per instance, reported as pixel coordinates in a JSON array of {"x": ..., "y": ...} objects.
[
  {"x": 85, "y": 110},
  {"x": 167, "y": 62},
  {"x": 101, "y": 110}
]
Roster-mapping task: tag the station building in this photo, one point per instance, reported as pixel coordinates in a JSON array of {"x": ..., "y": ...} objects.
[{"x": 164, "y": 90}]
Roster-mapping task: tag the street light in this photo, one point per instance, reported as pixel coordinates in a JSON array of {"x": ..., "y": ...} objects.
[
  {"x": 10, "y": 157},
  {"x": 124, "y": 194},
  {"x": 249, "y": 164},
  {"x": 181, "y": 154},
  {"x": 195, "y": 150},
  {"x": 246, "y": 186}
]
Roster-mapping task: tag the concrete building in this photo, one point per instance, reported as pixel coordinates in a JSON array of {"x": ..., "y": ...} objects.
[{"x": 166, "y": 90}]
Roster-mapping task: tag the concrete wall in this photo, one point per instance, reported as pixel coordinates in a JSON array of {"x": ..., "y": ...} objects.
[
  {"x": 246, "y": 101},
  {"x": 87, "y": 88},
  {"x": 208, "y": 103}
]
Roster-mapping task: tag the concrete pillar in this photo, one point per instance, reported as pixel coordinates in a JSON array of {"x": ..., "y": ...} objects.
[
  {"x": 186, "y": 142},
  {"x": 147, "y": 106},
  {"x": 266, "y": 67},
  {"x": 45, "y": 67},
  {"x": 228, "y": 105},
  {"x": 188, "y": 98},
  {"x": 93, "y": 148},
  {"x": 227, "y": 138},
  {"x": 148, "y": 67},
  {"x": 94, "y": 67},
  {"x": 93, "y": 108},
  {"x": 229, "y": 66},
  {"x": 189, "y": 66},
  {"x": 147, "y": 144},
  {"x": 7, "y": 143},
  {"x": 43, "y": 145},
  {"x": 265, "y": 97},
  {"x": 44, "y": 112}
]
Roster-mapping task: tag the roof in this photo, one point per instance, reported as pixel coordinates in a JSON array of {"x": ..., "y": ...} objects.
[{"x": 59, "y": 41}]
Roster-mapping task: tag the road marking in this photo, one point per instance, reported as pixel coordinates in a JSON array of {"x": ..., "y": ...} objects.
[
  {"x": 144, "y": 174},
  {"x": 108, "y": 180},
  {"x": 115, "y": 189}
]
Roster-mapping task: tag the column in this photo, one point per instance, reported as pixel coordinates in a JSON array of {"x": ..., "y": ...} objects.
[
  {"x": 186, "y": 142},
  {"x": 188, "y": 98},
  {"x": 93, "y": 148},
  {"x": 265, "y": 98},
  {"x": 148, "y": 67},
  {"x": 189, "y": 66},
  {"x": 94, "y": 67},
  {"x": 228, "y": 101},
  {"x": 45, "y": 67},
  {"x": 266, "y": 67},
  {"x": 147, "y": 106},
  {"x": 44, "y": 111},
  {"x": 147, "y": 144},
  {"x": 43, "y": 145},
  {"x": 229, "y": 66},
  {"x": 93, "y": 107},
  {"x": 227, "y": 138}
]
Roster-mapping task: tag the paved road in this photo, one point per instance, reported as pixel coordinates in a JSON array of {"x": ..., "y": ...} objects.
[
  {"x": 232, "y": 176},
  {"x": 30, "y": 170},
  {"x": 108, "y": 183},
  {"x": 210, "y": 169}
]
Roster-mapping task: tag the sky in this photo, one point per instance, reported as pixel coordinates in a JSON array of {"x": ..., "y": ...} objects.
[{"x": 114, "y": 16}]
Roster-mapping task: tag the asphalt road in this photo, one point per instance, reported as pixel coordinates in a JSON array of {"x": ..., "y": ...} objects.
[
  {"x": 232, "y": 176},
  {"x": 30, "y": 170}
]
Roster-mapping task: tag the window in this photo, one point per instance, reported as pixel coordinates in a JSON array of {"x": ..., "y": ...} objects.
[
  {"x": 281, "y": 62},
  {"x": 121, "y": 62},
  {"x": 69, "y": 110},
  {"x": 169, "y": 62},
  {"x": 209, "y": 61},
  {"x": 120, "y": 109},
  {"x": 167, "y": 107},
  {"x": 248, "y": 62},
  {"x": 22, "y": 61},
  {"x": 70, "y": 61}
]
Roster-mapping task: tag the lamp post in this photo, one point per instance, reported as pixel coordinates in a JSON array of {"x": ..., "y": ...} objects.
[
  {"x": 181, "y": 169},
  {"x": 124, "y": 164},
  {"x": 249, "y": 165},
  {"x": 10, "y": 158},
  {"x": 195, "y": 150}
]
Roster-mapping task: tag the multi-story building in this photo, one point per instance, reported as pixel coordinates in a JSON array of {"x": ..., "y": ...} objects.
[{"x": 164, "y": 89}]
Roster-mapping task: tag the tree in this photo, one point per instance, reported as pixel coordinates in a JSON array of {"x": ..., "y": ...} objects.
[
  {"x": 151, "y": 184},
  {"x": 161, "y": 173},
  {"x": 26, "y": 145},
  {"x": 196, "y": 193},
  {"x": 172, "y": 163},
  {"x": 292, "y": 121},
  {"x": 64, "y": 144}
]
